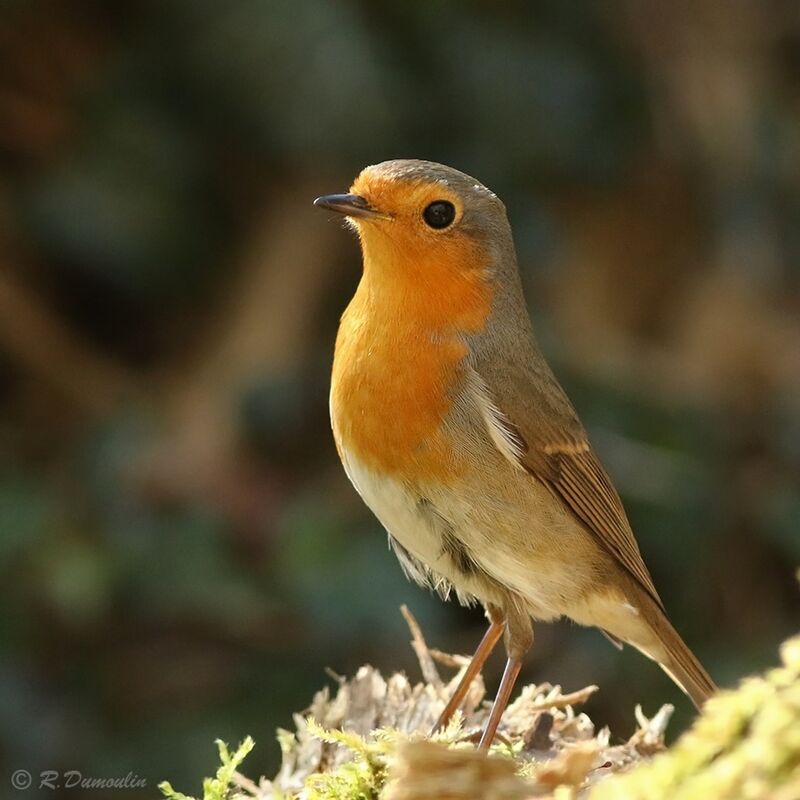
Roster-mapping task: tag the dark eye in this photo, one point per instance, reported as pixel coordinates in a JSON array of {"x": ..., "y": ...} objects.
[{"x": 439, "y": 214}]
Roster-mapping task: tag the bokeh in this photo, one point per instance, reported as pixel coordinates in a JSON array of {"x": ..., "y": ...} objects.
[{"x": 181, "y": 555}]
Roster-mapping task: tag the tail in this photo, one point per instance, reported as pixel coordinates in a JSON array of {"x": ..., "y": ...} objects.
[{"x": 675, "y": 658}]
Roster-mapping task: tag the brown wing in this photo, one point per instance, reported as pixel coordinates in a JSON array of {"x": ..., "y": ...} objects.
[
  {"x": 577, "y": 478},
  {"x": 549, "y": 442}
]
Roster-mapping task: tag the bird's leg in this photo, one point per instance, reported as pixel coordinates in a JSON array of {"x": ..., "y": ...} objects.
[
  {"x": 490, "y": 639},
  {"x": 519, "y": 638},
  {"x": 513, "y": 666}
]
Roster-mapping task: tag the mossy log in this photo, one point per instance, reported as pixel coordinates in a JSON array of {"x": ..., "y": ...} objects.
[{"x": 370, "y": 740}]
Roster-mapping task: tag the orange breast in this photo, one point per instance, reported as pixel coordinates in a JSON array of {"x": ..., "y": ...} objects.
[{"x": 397, "y": 366}]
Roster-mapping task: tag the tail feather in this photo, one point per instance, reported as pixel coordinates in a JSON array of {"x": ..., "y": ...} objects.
[
  {"x": 642, "y": 623},
  {"x": 673, "y": 655},
  {"x": 682, "y": 665}
]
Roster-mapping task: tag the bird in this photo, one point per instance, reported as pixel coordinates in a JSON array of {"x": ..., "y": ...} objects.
[{"x": 457, "y": 435}]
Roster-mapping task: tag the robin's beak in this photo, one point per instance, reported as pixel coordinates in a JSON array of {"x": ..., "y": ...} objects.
[{"x": 351, "y": 205}]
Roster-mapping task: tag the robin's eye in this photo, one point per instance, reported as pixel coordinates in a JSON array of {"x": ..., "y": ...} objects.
[{"x": 439, "y": 214}]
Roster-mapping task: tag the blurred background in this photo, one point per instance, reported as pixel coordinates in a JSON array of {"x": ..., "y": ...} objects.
[{"x": 181, "y": 555}]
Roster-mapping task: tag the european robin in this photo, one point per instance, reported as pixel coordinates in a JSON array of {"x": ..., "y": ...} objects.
[{"x": 455, "y": 432}]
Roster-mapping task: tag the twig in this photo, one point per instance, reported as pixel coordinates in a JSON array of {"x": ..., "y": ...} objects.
[
  {"x": 426, "y": 663},
  {"x": 563, "y": 700},
  {"x": 245, "y": 783},
  {"x": 649, "y": 738},
  {"x": 448, "y": 659},
  {"x": 340, "y": 679}
]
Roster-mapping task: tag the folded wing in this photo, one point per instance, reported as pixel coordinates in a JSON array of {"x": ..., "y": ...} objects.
[{"x": 540, "y": 434}]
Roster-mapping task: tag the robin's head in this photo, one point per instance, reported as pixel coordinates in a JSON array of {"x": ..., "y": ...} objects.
[{"x": 421, "y": 220}]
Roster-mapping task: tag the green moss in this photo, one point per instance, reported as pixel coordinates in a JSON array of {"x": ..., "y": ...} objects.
[
  {"x": 359, "y": 779},
  {"x": 221, "y": 786},
  {"x": 744, "y": 746}
]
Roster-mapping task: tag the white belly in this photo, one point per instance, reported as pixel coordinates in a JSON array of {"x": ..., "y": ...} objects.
[
  {"x": 398, "y": 510},
  {"x": 501, "y": 569}
]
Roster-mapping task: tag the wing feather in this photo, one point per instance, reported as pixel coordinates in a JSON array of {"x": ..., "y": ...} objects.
[{"x": 563, "y": 460}]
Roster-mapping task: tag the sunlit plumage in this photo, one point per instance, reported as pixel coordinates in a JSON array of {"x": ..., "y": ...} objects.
[{"x": 457, "y": 435}]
